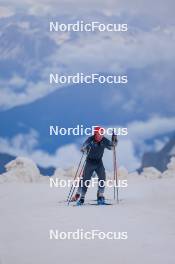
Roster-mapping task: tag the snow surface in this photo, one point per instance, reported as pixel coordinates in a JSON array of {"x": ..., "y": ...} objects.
[{"x": 30, "y": 208}]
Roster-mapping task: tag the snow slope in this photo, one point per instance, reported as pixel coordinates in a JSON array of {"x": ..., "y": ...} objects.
[{"x": 30, "y": 209}]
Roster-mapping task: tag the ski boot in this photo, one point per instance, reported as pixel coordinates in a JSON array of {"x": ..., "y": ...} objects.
[
  {"x": 100, "y": 199},
  {"x": 75, "y": 197},
  {"x": 81, "y": 201}
]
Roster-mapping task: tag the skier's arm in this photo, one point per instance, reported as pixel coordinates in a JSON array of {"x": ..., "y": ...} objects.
[
  {"x": 86, "y": 145},
  {"x": 110, "y": 143}
]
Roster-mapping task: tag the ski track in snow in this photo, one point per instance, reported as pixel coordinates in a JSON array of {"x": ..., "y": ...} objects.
[{"x": 30, "y": 210}]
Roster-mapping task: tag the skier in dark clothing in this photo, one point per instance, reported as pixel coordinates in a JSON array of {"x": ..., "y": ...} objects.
[{"x": 94, "y": 146}]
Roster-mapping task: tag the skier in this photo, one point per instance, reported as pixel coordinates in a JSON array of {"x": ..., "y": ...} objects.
[{"x": 94, "y": 147}]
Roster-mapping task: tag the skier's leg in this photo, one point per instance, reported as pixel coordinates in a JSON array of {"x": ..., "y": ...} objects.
[
  {"x": 77, "y": 194},
  {"x": 100, "y": 170},
  {"x": 87, "y": 174}
]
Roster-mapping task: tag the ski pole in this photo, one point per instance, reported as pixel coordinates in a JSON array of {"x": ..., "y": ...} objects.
[
  {"x": 115, "y": 170},
  {"x": 73, "y": 187},
  {"x": 75, "y": 176},
  {"x": 115, "y": 177}
]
